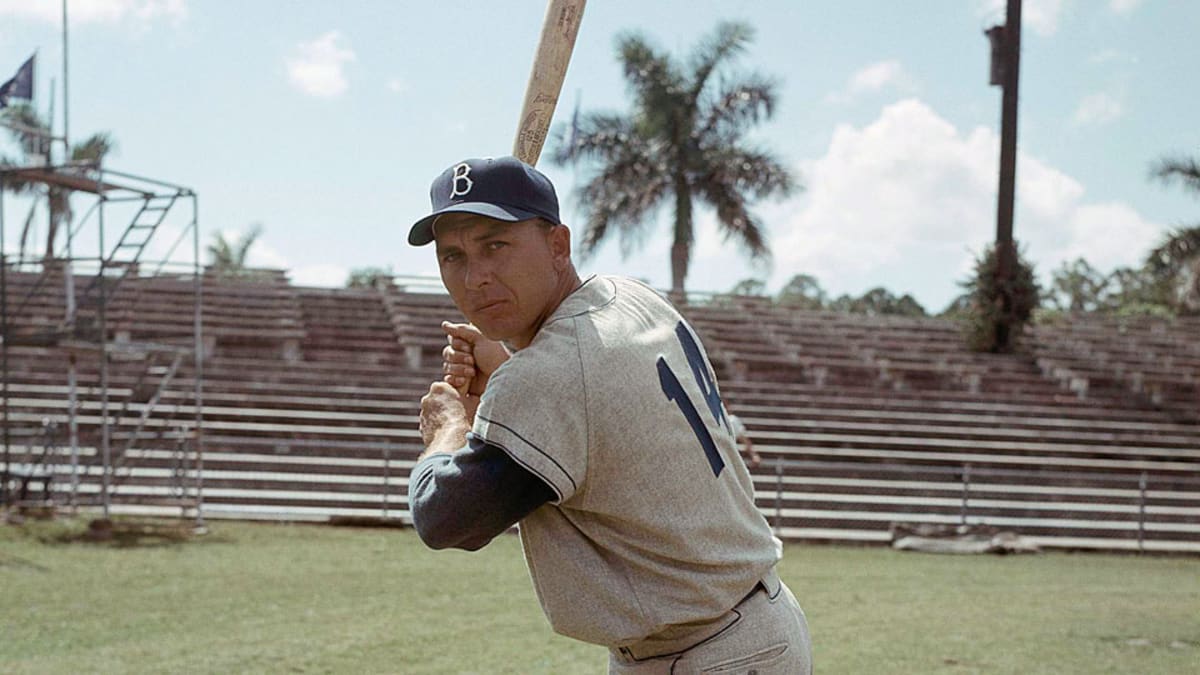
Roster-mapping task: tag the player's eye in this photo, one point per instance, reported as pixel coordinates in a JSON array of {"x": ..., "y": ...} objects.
[
  {"x": 496, "y": 245},
  {"x": 451, "y": 257}
]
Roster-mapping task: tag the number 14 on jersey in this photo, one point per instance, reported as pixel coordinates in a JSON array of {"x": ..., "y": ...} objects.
[{"x": 708, "y": 388}]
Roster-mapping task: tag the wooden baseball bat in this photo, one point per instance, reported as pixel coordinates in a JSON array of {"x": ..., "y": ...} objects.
[
  {"x": 546, "y": 77},
  {"x": 555, "y": 45}
]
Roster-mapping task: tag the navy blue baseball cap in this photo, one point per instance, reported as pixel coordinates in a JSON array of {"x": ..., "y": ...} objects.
[{"x": 504, "y": 188}]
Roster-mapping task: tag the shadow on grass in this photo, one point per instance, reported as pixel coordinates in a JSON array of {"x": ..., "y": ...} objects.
[
  {"x": 10, "y": 560},
  {"x": 122, "y": 533}
]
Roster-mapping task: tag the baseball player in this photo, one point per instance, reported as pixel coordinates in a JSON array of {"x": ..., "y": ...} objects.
[{"x": 593, "y": 420}]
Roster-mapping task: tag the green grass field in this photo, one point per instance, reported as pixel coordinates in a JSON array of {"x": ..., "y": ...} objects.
[{"x": 318, "y": 599}]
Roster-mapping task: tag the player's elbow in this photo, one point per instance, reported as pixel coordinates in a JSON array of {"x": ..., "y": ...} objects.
[
  {"x": 473, "y": 543},
  {"x": 441, "y": 539},
  {"x": 439, "y": 533},
  {"x": 432, "y": 530}
]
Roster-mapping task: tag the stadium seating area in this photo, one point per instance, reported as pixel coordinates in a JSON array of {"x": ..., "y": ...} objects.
[{"x": 1087, "y": 438}]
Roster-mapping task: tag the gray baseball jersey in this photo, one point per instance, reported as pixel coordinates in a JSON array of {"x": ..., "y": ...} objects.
[{"x": 615, "y": 406}]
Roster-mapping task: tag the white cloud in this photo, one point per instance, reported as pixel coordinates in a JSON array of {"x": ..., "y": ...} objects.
[
  {"x": 1040, "y": 16},
  {"x": 1123, "y": 6},
  {"x": 906, "y": 200},
  {"x": 1097, "y": 110},
  {"x": 263, "y": 255},
  {"x": 325, "y": 275},
  {"x": 318, "y": 67},
  {"x": 1105, "y": 234},
  {"x": 97, "y": 11},
  {"x": 874, "y": 78},
  {"x": 397, "y": 85}
]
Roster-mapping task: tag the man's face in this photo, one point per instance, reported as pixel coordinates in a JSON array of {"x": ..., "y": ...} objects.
[{"x": 504, "y": 277}]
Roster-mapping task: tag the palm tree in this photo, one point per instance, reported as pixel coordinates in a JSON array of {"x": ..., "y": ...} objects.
[
  {"x": 31, "y": 135},
  {"x": 1177, "y": 258},
  {"x": 227, "y": 257},
  {"x": 684, "y": 140},
  {"x": 1176, "y": 261}
]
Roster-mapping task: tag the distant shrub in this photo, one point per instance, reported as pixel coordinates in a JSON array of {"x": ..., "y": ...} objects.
[{"x": 996, "y": 312}]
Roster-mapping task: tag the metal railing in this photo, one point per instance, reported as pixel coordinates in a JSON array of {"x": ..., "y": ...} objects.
[
  {"x": 1128, "y": 493},
  {"x": 304, "y": 479}
]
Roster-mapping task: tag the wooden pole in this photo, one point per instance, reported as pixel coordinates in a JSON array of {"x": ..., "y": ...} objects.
[{"x": 1010, "y": 76}]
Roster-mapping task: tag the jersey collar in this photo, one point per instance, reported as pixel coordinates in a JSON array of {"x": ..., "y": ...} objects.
[{"x": 595, "y": 292}]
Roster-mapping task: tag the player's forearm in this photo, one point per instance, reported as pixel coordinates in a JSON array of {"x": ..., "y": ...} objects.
[
  {"x": 463, "y": 500},
  {"x": 431, "y": 501}
]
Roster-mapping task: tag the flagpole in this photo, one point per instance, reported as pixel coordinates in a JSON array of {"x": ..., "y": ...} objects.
[{"x": 66, "y": 89}]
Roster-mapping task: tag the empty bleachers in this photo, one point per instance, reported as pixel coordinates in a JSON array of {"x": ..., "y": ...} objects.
[
  {"x": 310, "y": 398},
  {"x": 1153, "y": 360}
]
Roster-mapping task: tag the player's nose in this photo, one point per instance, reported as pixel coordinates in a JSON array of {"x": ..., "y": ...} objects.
[{"x": 478, "y": 274}]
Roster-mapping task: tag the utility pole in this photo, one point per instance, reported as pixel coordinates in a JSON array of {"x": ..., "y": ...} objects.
[{"x": 1005, "y": 72}]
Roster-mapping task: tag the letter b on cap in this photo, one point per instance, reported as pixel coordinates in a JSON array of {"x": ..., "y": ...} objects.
[{"x": 460, "y": 184}]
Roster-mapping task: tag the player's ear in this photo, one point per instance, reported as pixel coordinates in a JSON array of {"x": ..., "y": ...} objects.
[{"x": 559, "y": 239}]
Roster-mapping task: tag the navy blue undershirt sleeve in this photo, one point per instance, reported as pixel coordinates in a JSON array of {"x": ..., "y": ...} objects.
[{"x": 463, "y": 500}]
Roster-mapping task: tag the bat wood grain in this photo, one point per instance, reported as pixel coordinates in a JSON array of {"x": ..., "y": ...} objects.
[{"x": 550, "y": 62}]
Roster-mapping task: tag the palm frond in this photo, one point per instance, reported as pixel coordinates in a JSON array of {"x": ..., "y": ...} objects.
[
  {"x": 14, "y": 183},
  {"x": 757, "y": 172},
  {"x": 600, "y": 136},
  {"x": 735, "y": 219},
  {"x": 729, "y": 39},
  {"x": 620, "y": 197},
  {"x": 228, "y": 255},
  {"x": 1185, "y": 170},
  {"x": 659, "y": 90},
  {"x": 220, "y": 251},
  {"x": 33, "y": 136},
  {"x": 645, "y": 70},
  {"x": 737, "y": 105},
  {"x": 242, "y": 250},
  {"x": 95, "y": 148},
  {"x": 1177, "y": 250}
]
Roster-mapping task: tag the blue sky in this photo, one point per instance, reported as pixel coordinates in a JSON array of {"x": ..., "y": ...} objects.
[{"x": 325, "y": 122}]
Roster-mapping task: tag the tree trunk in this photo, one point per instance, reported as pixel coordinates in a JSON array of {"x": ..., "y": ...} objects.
[
  {"x": 681, "y": 250},
  {"x": 25, "y": 232},
  {"x": 679, "y": 264},
  {"x": 60, "y": 212}
]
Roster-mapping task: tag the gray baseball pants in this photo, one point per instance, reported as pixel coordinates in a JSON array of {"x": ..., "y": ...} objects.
[{"x": 765, "y": 634}]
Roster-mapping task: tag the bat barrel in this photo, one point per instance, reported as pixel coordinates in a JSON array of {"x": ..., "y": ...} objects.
[{"x": 557, "y": 41}]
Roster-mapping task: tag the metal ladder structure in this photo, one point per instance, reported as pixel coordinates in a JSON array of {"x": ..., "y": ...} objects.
[
  {"x": 120, "y": 263},
  {"x": 84, "y": 327},
  {"x": 164, "y": 375},
  {"x": 38, "y": 467}
]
